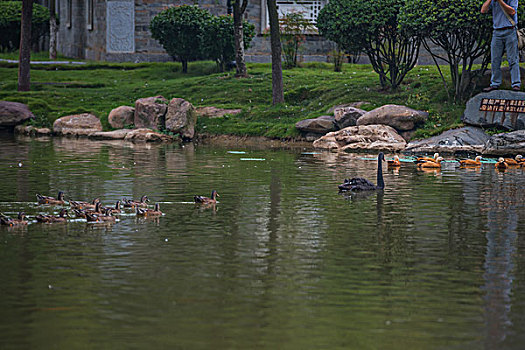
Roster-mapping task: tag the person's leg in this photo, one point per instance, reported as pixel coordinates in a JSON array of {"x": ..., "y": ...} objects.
[
  {"x": 513, "y": 57},
  {"x": 496, "y": 53}
]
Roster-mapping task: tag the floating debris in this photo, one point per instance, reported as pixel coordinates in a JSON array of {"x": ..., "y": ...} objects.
[
  {"x": 236, "y": 152},
  {"x": 256, "y": 159}
]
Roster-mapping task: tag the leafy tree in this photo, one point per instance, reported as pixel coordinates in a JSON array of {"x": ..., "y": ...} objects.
[
  {"x": 372, "y": 26},
  {"x": 460, "y": 35},
  {"x": 10, "y": 19},
  {"x": 293, "y": 28},
  {"x": 180, "y": 30},
  {"x": 219, "y": 41}
]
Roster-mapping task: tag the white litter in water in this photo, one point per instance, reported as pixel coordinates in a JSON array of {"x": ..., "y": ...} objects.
[
  {"x": 257, "y": 159},
  {"x": 237, "y": 152}
]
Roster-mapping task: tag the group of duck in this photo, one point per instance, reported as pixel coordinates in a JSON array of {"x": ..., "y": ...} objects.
[
  {"x": 435, "y": 162},
  {"x": 94, "y": 211},
  {"x": 358, "y": 184}
]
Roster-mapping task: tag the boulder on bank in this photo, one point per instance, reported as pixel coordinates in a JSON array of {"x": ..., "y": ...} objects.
[
  {"x": 506, "y": 144},
  {"x": 32, "y": 130},
  {"x": 400, "y": 118},
  {"x": 146, "y": 135},
  {"x": 480, "y": 110},
  {"x": 13, "y": 113},
  {"x": 320, "y": 125},
  {"x": 110, "y": 135},
  {"x": 181, "y": 118},
  {"x": 77, "y": 125},
  {"x": 347, "y": 116},
  {"x": 214, "y": 112},
  {"x": 150, "y": 112},
  {"x": 466, "y": 139},
  {"x": 121, "y": 117},
  {"x": 367, "y": 137}
]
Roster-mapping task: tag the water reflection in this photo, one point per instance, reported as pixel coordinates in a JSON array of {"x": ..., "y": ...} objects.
[{"x": 433, "y": 261}]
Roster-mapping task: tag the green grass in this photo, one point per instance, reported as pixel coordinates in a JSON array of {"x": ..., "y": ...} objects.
[{"x": 98, "y": 87}]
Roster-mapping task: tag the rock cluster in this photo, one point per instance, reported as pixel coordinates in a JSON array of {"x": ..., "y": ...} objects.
[{"x": 366, "y": 137}]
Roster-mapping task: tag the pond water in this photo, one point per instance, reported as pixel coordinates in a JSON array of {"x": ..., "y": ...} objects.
[{"x": 283, "y": 261}]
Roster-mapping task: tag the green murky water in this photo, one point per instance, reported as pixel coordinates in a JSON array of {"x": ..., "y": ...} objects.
[{"x": 282, "y": 262}]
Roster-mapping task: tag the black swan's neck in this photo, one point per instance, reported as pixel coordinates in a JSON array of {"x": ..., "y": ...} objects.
[{"x": 380, "y": 182}]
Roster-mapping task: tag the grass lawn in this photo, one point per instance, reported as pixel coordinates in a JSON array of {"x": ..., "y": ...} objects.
[{"x": 98, "y": 87}]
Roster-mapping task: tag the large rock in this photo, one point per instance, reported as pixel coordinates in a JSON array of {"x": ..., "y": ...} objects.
[
  {"x": 121, "y": 117},
  {"x": 480, "y": 110},
  {"x": 320, "y": 125},
  {"x": 150, "y": 112},
  {"x": 77, "y": 125},
  {"x": 214, "y": 112},
  {"x": 368, "y": 137},
  {"x": 400, "y": 118},
  {"x": 110, "y": 135},
  {"x": 13, "y": 113},
  {"x": 467, "y": 139},
  {"x": 351, "y": 104},
  {"x": 506, "y": 143},
  {"x": 181, "y": 118},
  {"x": 146, "y": 135},
  {"x": 347, "y": 116}
]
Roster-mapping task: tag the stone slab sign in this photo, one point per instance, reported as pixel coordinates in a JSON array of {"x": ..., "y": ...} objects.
[
  {"x": 506, "y": 144},
  {"x": 367, "y": 137},
  {"x": 501, "y": 108},
  {"x": 120, "y": 27},
  {"x": 13, "y": 113},
  {"x": 467, "y": 139}
]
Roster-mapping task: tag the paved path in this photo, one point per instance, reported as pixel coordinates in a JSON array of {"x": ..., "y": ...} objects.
[{"x": 44, "y": 62}]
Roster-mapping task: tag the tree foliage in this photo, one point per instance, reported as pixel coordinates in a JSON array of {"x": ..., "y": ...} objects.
[
  {"x": 189, "y": 33},
  {"x": 10, "y": 19},
  {"x": 294, "y": 27},
  {"x": 372, "y": 26},
  {"x": 455, "y": 33}
]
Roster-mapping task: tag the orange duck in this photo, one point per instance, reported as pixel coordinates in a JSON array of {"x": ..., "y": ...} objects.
[
  {"x": 431, "y": 164},
  {"x": 394, "y": 163},
  {"x": 427, "y": 159},
  {"x": 470, "y": 162},
  {"x": 514, "y": 161},
  {"x": 501, "y": 164}
]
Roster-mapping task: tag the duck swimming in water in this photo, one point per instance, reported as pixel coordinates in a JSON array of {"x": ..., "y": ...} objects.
[
  {"x": 130, "y": 203},
  {"x": 394, "y": 163},
  {"x": 19, "y": 221},
  {"x": 106, "y": 217},
  {"x": 149, "y": 212},
  {"x": 51, "y": 200},
  {"x": 52, "y": 219},
  {"x": 84, "y": 205},
  {"x": 362, "y": 184},
  {"x": 430, "y": 164},
  {"x": 427, "y": 159},
  {"x": 207, "y": 200},
  {"x": 470, "y": 162},
  {"x": 501, "y": 164}
]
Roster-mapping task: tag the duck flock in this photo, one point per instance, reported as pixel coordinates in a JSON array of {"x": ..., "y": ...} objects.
[{"x": 94, "y": 211}]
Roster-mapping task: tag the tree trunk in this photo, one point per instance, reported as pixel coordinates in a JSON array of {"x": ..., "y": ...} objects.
[
  {"x": 24, "y": 60},
  {"x": 238, "y": 33},
  {"x": 52, "y": 30},
  {"x": 275, "y": 41},
  {"x": 184, "y": 66}
]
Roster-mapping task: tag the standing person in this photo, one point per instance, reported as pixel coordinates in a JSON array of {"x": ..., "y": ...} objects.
[{"x": 504, "y": 37}]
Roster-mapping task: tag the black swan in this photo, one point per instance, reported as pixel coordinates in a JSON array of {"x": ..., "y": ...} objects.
[{"x": 361, "y": 184}]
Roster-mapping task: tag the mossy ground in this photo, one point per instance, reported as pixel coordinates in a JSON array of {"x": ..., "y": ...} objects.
[{"x": 59, "y": 90}]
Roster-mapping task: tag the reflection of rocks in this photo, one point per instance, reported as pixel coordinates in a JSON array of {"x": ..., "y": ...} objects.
[
  {"x": 506, "y": 143},
  {"x": 77, "y": 125},
  {"x": 510, "y": 121},
  {"x": 146, "y": 135},
  {"x": 214, "y": 112},
  {"x": 150, "y": 112},
  {"x": 400, "y": 118},
  {"x": 121, "y": 117},
  {"x": 467, "y": 139},
  {"x": 181, "y": 118},
  {"x": 369, "y": 137},
  {"x": 14, "y": 113},
  {"x": 33, "y": 131},
  {"x": 110, "y": 135},
  {"x": 316, "y": 127}
]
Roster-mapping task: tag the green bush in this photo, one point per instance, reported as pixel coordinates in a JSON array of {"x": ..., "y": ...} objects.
[
  {"x": 219, "y": 41},
  {"x": 10, "y": 16},
  {"x": 372, "y": 26},
  {"x": 180, "y": 30}
]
